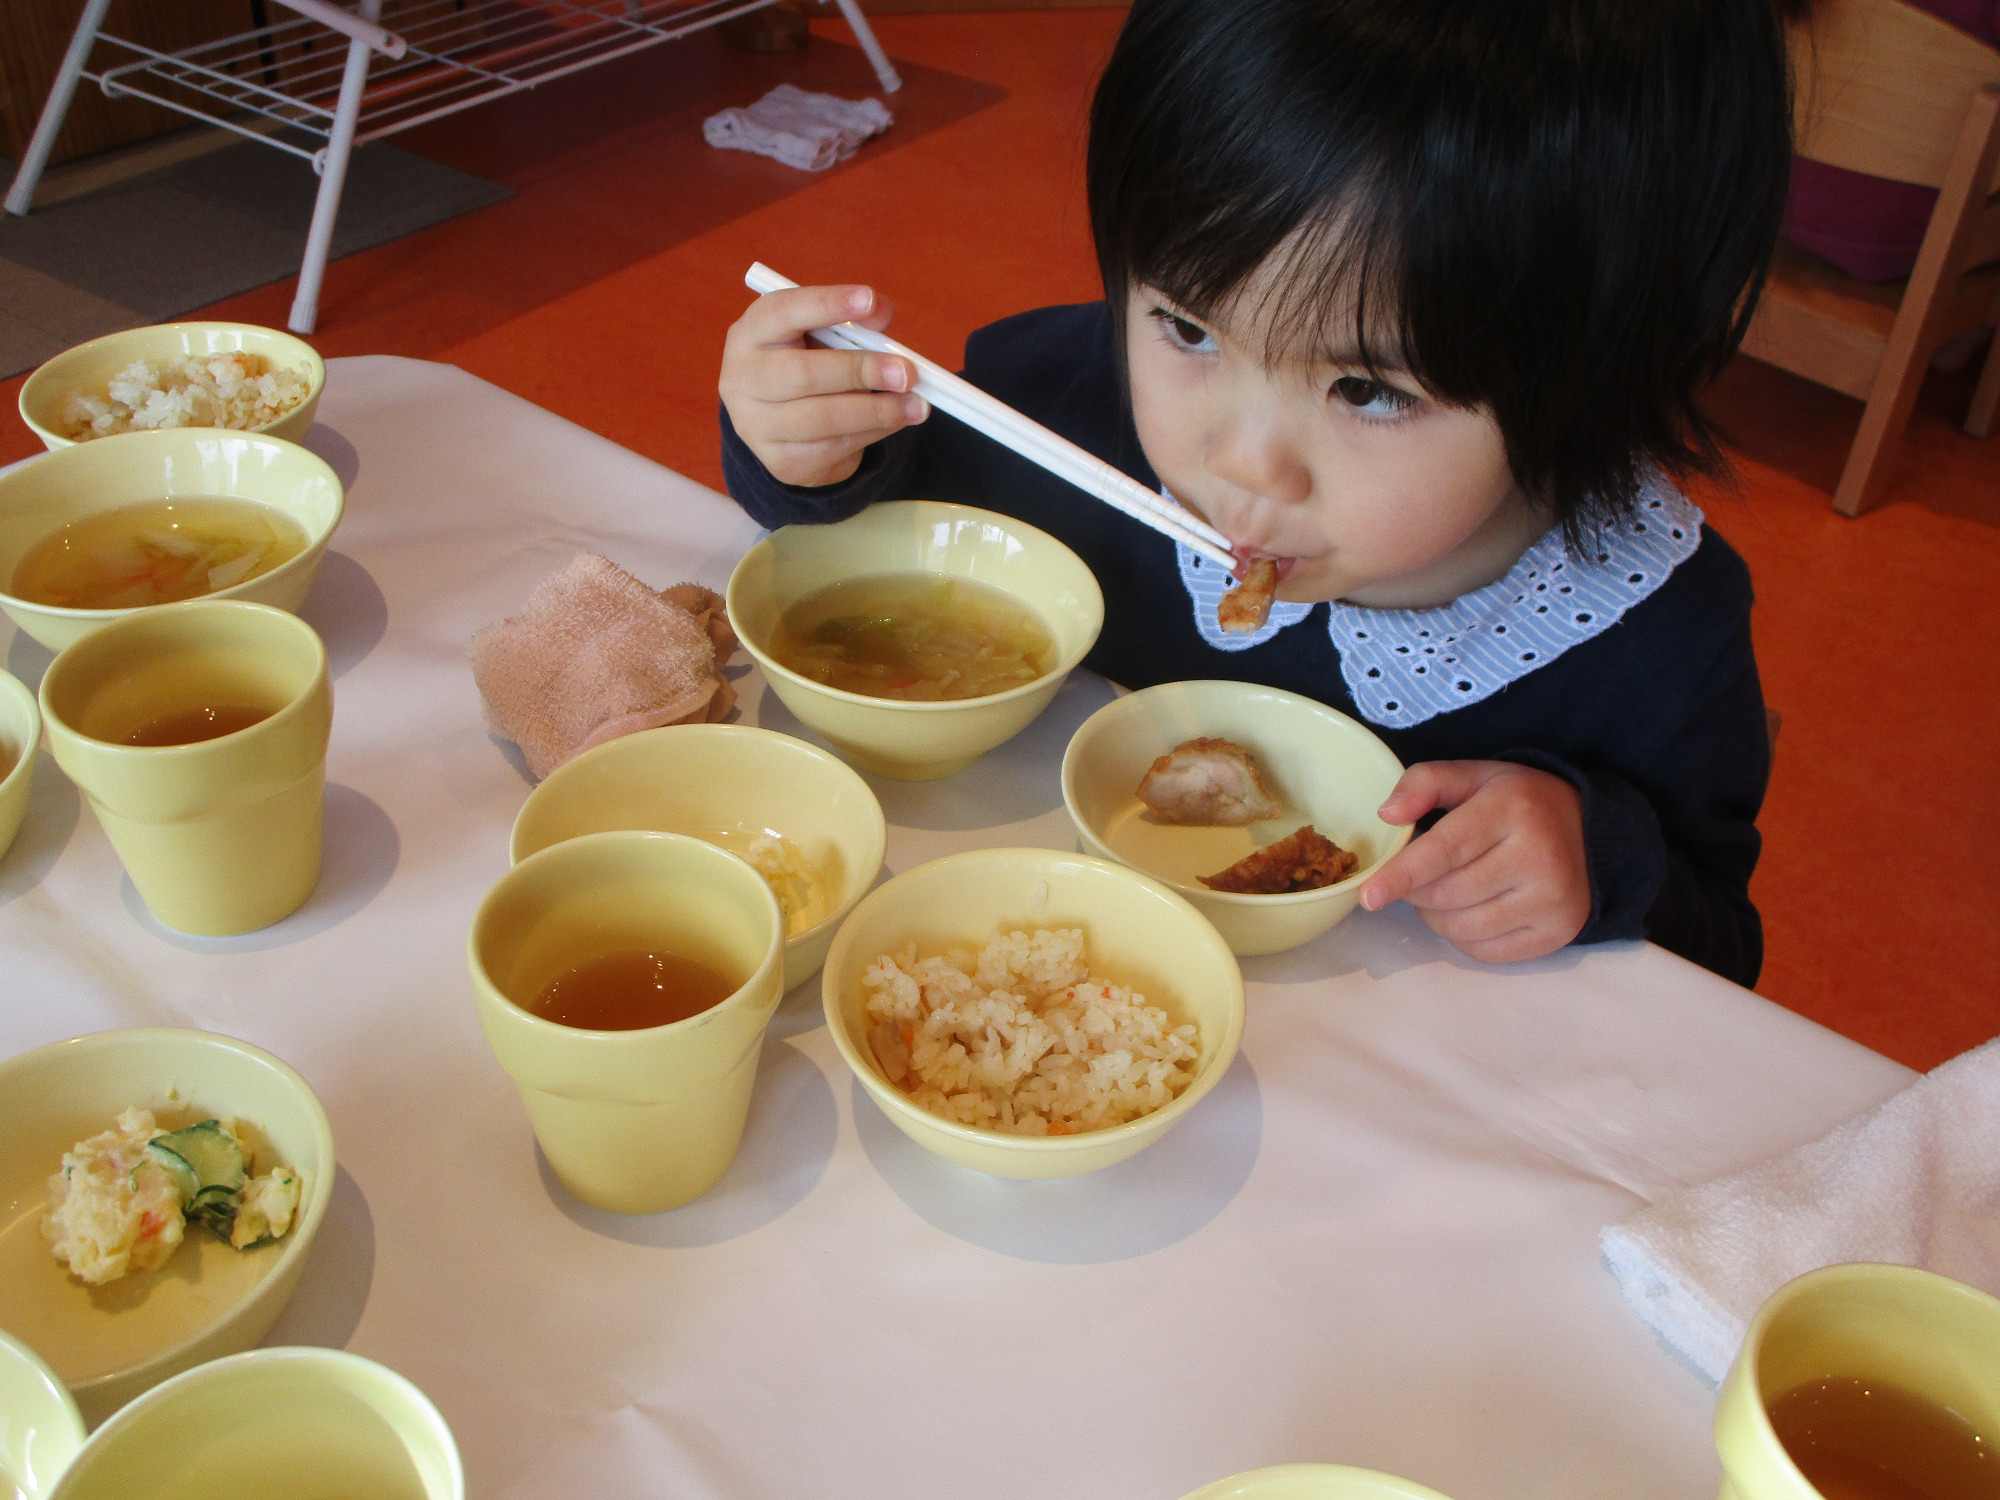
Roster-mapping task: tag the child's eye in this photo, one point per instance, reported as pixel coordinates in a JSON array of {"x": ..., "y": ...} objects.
[
  {"x": 1189, "y": 338},
  {"x": 1371, "y": 397}
]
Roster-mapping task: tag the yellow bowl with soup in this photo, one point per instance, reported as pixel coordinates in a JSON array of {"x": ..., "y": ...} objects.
[
  {"x": 98, "y": 530},
  {"x": 917, "y": 598},
  {"x": 88, "y": 370},
  {"x": 1330, "y": 771},
  {"x": 1136, "y": 935}
]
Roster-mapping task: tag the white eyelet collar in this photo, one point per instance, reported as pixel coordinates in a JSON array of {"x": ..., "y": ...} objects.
[{"x": 1404, "y": 666}]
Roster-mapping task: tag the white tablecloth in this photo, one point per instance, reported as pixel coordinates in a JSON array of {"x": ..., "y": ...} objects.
[{"x": 1375, "y": 1243}]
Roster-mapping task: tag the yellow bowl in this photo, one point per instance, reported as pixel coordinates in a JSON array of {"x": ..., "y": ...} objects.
[
  {"x": 280, "y": 1424},
  {"x": 1331, "y": 771},
  {"x": 728, "y": 784},
  {"x": 1313, "y": 1482},
  {"x": 62, "y": 487},
  {"x": 110, "y": 1343},
  {"x": 40, "y": 1427},
  {"x": 915, "y": 741},
  {"x": 1136, "y": 933},
  {"x": 88, "y": 369},
  {"x": 1938, "y": 1339},
  {"x": 20, "y": 738}
]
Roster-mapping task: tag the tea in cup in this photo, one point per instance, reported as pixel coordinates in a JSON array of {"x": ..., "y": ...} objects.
[
  {"x": 198, "y": 733},
  {"x": 624, "y": 981},
  {"x": 1865, "y": 1382}
]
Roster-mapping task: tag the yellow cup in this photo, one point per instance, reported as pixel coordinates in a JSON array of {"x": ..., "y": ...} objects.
[
  {"x": 20, "y": 738},
  {"x": 632, "y": 1121},
  {"x": 40, "y": 1427},
  {"x": 280, "y": 1424},
  {"x": 221, "y": 836},
  {"x": 1936, "y": 1338}
]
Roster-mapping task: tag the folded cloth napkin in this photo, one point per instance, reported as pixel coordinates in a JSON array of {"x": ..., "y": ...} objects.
[
  {"x": 807, "y": 131},
  {"x": 1913, "y": 1182},
  {"x": 597, "y": 654}
]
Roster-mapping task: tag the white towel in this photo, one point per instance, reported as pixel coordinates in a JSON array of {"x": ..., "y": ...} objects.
[
  {"x": 807, "y": 131},
  {"x": 1914, "y": 1182}
]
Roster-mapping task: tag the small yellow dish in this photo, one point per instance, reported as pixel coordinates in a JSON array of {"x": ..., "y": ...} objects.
[
  {"x": 728, "y": 784},
  {"x": 277, "y": 1424},
  {"x": 110, "y": 1343},
  {"x": 20, "y": 738},
  {"x": 40, "y": 1427},
  {"x": 1313, "y": 1482},
  {"x": 1136, "y": 933},
  {"x": 88, "y": 368},
  {"x": 62, "y": 487},
  {"x": 1331, "y": 771},
  {"x": 915, "y": 741}
]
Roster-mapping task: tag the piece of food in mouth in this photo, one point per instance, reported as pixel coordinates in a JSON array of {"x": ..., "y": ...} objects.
[
  {"x": 1209, "y": 782},
  {"x": 1247, "y": 606},
  {"x": 123, "y": 1198},
  {"x": 1302, "y": 861}
]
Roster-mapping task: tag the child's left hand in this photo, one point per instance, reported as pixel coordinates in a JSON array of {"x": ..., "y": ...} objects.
[{"x": 1502, "y": 876}]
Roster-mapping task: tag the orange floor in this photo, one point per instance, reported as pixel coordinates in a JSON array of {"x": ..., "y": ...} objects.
[{"x": 603, "y": 288}]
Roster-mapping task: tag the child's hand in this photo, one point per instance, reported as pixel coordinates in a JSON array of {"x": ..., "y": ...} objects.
[
  {"x": 1502, "y": 875},
  {"x": 807, "y": 412}
]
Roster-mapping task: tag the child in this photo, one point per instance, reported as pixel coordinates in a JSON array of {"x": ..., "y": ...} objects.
[{"x": 1414, "y": 296}]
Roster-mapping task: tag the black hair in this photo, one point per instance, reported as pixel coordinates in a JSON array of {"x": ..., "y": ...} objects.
[{"x": 1560, "y": 210}]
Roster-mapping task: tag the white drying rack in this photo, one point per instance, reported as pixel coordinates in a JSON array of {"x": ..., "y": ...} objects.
[{"x": 304, "y": 84}]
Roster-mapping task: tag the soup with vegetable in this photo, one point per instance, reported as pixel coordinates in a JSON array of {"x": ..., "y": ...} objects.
[
  {"x": 157, "y": 553},
  {"x": 917, "y": 637}
]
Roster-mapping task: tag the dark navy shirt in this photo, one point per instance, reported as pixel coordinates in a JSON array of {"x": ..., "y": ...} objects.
[{"x": 1658, "y": 721}]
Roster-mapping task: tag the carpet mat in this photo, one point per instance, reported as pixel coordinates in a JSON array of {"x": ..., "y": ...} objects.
[{"x": 189, "y": 234}]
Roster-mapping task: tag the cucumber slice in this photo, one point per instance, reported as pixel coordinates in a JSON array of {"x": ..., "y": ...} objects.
[
  {"x": 213, "y": 1155},
  {"x": 176, "y": 1166}
]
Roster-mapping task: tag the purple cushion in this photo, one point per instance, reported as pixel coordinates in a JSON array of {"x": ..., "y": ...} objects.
[{"x": 1872, "y": 227}]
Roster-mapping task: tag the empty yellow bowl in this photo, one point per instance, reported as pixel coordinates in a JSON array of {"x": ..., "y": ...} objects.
[
  {"x": 110, "y": 1343},
  {"x": 1136, "y": 933},
  {"x": 1332, "y": 772},
  {"x": 278, "y": 1424},
  {"x": 915, "y": 741},
  {"x": 62, "y": 487},
  {"x": 40, "y": 1427},
  {"x": 728, "y": 784},
  {"x": 88, "y": 368},
  {"x": 1313, "y": 1482},
  {"x": 20, "y": 738}
]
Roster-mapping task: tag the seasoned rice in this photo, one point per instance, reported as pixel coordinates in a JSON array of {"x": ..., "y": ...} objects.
[
  {"x": 1019, "y": 1037},
  {"x": 239, "y": 390}
]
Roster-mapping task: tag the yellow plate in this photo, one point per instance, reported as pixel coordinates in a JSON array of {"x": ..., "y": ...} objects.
[
  {"x": 40, "y": 1427},
  {"x": 1331, "y": 771},
  {"x": 110, "y": 1343},
  {"x": 1313, "y": 1482},
  {"x": 1136, "y": 933}
]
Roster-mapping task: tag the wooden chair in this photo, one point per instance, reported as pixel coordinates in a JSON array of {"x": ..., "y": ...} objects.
[{"x": 1888, "y": 90}]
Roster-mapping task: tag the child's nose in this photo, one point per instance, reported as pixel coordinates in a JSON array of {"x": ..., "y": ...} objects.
[{"x": 1259, "y": 462}]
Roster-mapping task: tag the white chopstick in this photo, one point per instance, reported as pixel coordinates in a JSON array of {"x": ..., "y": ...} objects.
[{"x": 1025, "y": 436}]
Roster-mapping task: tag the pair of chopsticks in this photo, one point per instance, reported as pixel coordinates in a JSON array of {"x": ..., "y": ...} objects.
[{"x": 999, "y": 421}]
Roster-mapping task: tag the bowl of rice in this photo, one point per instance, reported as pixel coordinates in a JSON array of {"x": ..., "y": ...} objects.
[
  {"x": 1030, "y": 1013},
  {"x": 229, "y": 375},
  {"x": 93, "y": 531},
  {"x": 804, "y": 820}
]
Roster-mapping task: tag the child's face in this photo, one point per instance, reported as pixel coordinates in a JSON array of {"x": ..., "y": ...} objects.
[{"x": 1368, "y": 491}]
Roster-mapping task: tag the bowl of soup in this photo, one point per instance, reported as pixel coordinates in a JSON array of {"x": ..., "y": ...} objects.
[
  {"x": 97, "y": 530},
  {"x": 918, "y": 635},
  {"x": 176, "y": 374},
  {"x": 1320, "y": 767}
]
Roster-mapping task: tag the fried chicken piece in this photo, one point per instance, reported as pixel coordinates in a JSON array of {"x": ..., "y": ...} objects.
[
  {"x": 1210, "y": 782},
  {"x": 1303, "y": 861},
  {"x": 1246, "y": 607}
]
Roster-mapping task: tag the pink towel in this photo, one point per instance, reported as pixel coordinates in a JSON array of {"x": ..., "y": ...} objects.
[{"x": 597, "y": 654}]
